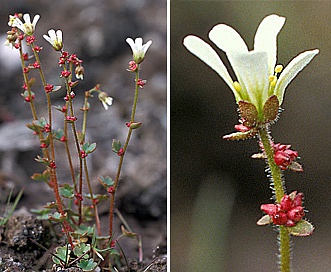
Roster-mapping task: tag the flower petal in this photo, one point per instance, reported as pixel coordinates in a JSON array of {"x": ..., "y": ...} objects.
[
  {"x": 227, "y": 39},
  {"x": 146, "y": 46},
  {"x": 291, "y": 70},
  {"x": 266, "y": 38},
  {"x": 27, "y": 18},
  {"x": 35, "y": 20},
  {"x": 251, "y": 70},
  {"x": 207, "y": 54},
  {"x": 132, "y": 45}
]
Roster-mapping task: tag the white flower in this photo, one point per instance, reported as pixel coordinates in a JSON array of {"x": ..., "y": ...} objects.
[
  {"x": 27, "y": 27},
  {"x": 55, "y": 39},
  {"x": 255, "y": 70},
  {"x": 105, "y": 100},
  {"x": 138, "y": 49}
]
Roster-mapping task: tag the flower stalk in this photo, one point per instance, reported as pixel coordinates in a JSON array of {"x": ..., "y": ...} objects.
[{"x": 279, "y": 190}]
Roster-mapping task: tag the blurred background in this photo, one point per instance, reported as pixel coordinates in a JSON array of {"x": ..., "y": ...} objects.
[
  {"x": 216, "y": 188},
  {"x": 96, "y": 32}
]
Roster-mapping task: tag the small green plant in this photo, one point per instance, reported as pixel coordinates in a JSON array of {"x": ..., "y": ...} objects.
[
  {"x": 9, "y": 209},
  {"x": 259, "y": 91},
  {"x": 75, "y": 209}
]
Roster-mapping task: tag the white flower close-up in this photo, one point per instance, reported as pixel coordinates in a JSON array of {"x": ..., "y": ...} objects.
[
  {"x": 138, "y": 48},
  {"x": 54, "y": 38},
  {"x": 256, "y": 71},
  {"x": 105, "y": 100},
  {"x": 27, "y": 27}
]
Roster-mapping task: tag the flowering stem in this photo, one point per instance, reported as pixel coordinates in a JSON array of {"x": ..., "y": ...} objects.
[
  {"x": 279, "y": 190},
  {"x": 120, "y": 163}
]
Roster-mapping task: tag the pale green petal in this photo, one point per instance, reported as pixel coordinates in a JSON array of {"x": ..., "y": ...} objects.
[
  {"x": 207, "y": 54},
  {"x": 251, "y": 70},
  {"x": 227, "y": 39},
  {"x": 266, "y": 38},
  {"x": 291, "y": 70}
]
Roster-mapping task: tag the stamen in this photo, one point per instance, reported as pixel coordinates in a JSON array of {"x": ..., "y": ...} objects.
[
  {"x": 237, "y": 86},
  {"x": 278, "y": 68}
]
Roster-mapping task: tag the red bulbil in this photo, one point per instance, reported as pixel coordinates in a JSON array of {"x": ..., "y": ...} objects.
[
  {"x": 120, "y": 152},
  {"x": 49, "y": 88},
  {"x": 288, "y": 212},
  {"x": 30, "y": 39}
]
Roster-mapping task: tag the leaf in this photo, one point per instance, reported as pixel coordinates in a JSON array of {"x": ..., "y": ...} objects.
[
  {"x": 42, "y": 177},
  {"x": 58, "y": 134},
  {"x": 128, "y": 233},
  {"x": 67, "y": 191},
  {"x": 241, "y": 135},
  {"x": 248, "y": 113},
  {"x": 87, "y": 265},
  {"x": 116, "y": 145},
  {"x": 57, "y": 217},
  {"x": 271, "y": 109},
  {"x": 89, "y": 148},
  {"x": 264, "y": 220},
  {"x": 62, "y": 253},
  {"x": 43, "y": 214},
  {"x": 82, "y": 248},
  {"x": 106, "y": 181},
  {"x": 302, "y": 228}
]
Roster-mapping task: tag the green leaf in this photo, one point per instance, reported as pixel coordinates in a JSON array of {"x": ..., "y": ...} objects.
[
  {"x": 82, "y": 248},
  {"x": 116, "y": 145},
  {"x": 63, "y": 254},
  {"x": 45, "y": 176},
  {"x": 87, "y": 265},
  {"x": 89, "y": 148},
  {"x": 57, "y": 217},
  {"x": 43, "y": 214},
  {"x": 106, "y": 181},
  {"x": 67, "y": 191},
  {"x": 40, "y": 123},
  {"x": 302, "y": 228},
  {"x": 58, "y": 134}
]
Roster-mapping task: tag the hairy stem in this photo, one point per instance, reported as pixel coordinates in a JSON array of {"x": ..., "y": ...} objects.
[{"x": 279, "y": 190}]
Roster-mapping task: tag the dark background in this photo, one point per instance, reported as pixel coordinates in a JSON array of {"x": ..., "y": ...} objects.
[
  {"x": 216, "y": 188},
  {"x": 96, "y": 32}
]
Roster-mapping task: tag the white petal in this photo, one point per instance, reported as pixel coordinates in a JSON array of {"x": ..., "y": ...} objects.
[
  {"x": 35, "y": 20},
  {"x": 132, "y": 45},
  {"x": 208, "y": 55},
  {"x": 51, "y": 34},
  {"x": 266, "y": 38},
  {"x": 59, "y": 35},
  {"x": 146, "y": 46},
  {"x": 291, "y": 70},
  {"x": 47, "y": 38},
  {"x": 27, "y": 18},
  {"x": 227, "y": 39},
  {"x": 105, "y": 105},
  {"x": 139, "y": 43},
  {"x": 251, "y": 70}
]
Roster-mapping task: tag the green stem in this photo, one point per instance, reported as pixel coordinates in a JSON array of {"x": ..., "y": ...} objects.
[
  {"x": 120, "y": 163},
  {"x": 279, "y": 190}
]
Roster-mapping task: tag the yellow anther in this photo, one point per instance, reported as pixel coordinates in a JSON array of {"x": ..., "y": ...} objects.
[
  {"x": 237, "y": 86},
  {"x": 278, "y": 68},
  {"x": 272, "y": 78}
]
